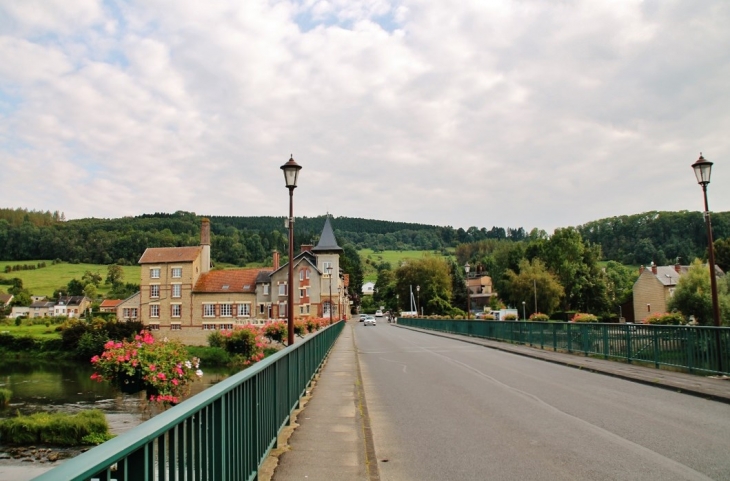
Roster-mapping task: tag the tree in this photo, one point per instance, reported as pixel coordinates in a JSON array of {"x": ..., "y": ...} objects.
[
  {"x": 91, "y": 278},
  {"x": 619, "y": 283},
  {"x": 74, "y": 288},
  {"x": 430, "y": 273},
  {"x": 693, "y": 296},
  {"x": 115, "y": 274},
  {"x": 533, "y": 277},
  {"x": 722, "y": 253}
]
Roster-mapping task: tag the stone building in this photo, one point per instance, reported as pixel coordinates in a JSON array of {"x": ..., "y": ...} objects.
[{"x": 181, "y": 297}]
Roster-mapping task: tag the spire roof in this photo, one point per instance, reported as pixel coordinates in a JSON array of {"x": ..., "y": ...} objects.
[{"x": 327, "y": 241}]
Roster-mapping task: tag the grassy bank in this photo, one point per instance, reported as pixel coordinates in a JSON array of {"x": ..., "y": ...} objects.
[{"x": 88, "y": 427}]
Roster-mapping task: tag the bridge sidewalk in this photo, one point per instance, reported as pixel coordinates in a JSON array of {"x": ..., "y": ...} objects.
[
  {"x": 329, "y": 441},
  {"x": 716, "y": 388}
]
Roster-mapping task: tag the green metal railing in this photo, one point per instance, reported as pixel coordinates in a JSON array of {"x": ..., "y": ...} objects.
[
  {"x": 225, "y": 432},
  {"x": 690, "y": 348}
]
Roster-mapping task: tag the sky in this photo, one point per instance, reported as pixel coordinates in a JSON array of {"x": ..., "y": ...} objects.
[{"x": 464, "y": 113}]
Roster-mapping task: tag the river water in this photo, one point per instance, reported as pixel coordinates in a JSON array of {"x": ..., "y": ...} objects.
[{"x": 67, "y": 387}]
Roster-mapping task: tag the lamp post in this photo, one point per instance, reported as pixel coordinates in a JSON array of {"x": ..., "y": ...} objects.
[
  {"x": 524, "y": 316},
  {"x": 329, "y": 272},
  {"x": 397, "y": 303},
  {"x": 468, "y": 297},
  {"x": 703, "y": 169},
  {"x": 418, "y": 299},
  {"x": 291, "y": 174}
]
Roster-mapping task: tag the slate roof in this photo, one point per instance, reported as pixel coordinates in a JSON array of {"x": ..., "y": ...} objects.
[
  {"x": 327, "y": 241},
  {"x": 231, "y": 280},
  {"x": 72, "y": 300},
  {"x": 669, "y": 276},
  {"x": 158, "y": 255},
  {"x": 42, "y": 305}
]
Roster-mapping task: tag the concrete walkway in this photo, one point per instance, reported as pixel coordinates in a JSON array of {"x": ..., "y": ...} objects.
[{"x": 331, "y": 438}]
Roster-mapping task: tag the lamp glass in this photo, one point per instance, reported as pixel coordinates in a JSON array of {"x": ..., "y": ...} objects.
[
  {"x": 467, "y": 267},
  {"x": 291, "y": 173},
  {"x": 703, "y": 170}
]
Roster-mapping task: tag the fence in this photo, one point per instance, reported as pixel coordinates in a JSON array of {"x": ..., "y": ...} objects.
[
  {"x": 225, "y": 432},
  {"x": 692, "y": 348}
]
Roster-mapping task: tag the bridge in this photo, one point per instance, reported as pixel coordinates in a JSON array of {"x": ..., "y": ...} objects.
[{"x": 433, "y": 403}]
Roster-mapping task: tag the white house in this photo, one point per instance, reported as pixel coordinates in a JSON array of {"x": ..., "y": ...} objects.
[{"x": 368, "y": 289}]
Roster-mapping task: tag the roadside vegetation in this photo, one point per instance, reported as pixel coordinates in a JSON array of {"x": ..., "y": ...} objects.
[{"x": 60, "y": 429}]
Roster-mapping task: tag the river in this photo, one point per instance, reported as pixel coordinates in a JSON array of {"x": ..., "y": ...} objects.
[{"x": 66, "y": 386}]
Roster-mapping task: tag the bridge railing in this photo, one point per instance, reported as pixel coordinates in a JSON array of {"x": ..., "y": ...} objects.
[
  {"x": 225, "y": 432},
  {"x": 690, "y": 348}
]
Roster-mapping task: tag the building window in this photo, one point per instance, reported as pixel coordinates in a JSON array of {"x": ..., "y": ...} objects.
[
  {"x": 244, "y": 310},
  {"x": 154, "y": 327},
  {"x": 307, "y": 293},
  {"x": 154, "y": 290},
  {"x": 326, "y": 308},
  {"x": 226, "y": 327},
  {"x": 208, "y": 310},
  {"x": 175, "y": 327},
  {"x": 301, "y": 309},
  {"x": 262, "y": 308},
  {"x": 282, "y": 290},
  {"x": 306, "y": 271},
  {"x": 301, "y": 275},
  {"x": 226, "y": 310},
  {"x": 155, "y": 273},
  {"x": 266, "y": 289},
  {"x": 154, "y": 310},
  {"x": 177, "y": 290},
  {"x": 209, "y": 327},
  {"x": 175, "y": 310},
  {"x": 325, "y": 266},
  {"x": 176, "y": 272},
  {"x": 282, "y": 309},
  {"x": 302, "y": 292},
  {"x": 129, "y": 313}
]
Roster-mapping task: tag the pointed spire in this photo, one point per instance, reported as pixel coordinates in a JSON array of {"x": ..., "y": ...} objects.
[{"x": 327, "y": 241}]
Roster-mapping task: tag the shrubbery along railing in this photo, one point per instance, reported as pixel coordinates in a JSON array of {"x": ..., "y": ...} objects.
[
  {"x": 225, "y": 432},
  {"x": 691, "y": 348}
]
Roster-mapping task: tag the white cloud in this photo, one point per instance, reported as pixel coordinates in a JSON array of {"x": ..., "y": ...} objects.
[{"x": 505, "y": 113}]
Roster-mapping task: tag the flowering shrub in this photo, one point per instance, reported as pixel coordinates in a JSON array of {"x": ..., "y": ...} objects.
[
  {"x": 667, "y": 318},
  {"x": 246, "y": 343},
  {"x": 539, "y": 317},
  {"x": 276, "y": 331},
  {"x": 510, "y": 317},
  {"x": 584, "y": 317},
  {"x": 488, "y": 317},
  {"x": 300, "y": 328},
  {"x": 159, "y": 367}
]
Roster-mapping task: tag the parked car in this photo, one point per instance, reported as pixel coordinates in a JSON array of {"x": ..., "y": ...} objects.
[{"x": 370, "y": 321}]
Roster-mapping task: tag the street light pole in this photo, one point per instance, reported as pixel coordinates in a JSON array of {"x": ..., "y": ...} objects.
[
  {"x": 468, "y": 297},
  {"x": 703, "y": 170},
  {"x": 291, "y": 173},
  {"x": 524, "y": 316},
  {"x": 329, "y": 272},
  {"x": 418, "y": 301}
]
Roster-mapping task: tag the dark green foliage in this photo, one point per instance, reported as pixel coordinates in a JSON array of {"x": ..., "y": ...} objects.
[
  {"x": 210, "y": 356},
  {"x": 216, "y": 339},
  {"x": 86, "y": 339},
  {"x": 5, "y": 396}
]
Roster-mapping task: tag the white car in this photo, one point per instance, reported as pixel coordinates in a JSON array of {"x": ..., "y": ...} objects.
[
  {"x": 378, "y": 313},
  {"x": 369, "y": 321}
]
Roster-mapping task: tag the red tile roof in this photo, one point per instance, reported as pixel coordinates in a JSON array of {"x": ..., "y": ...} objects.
[
  {"x": 231, "y": 280},
  {"x": 157, "y": 255},
  {"x": 110, "y": 303}
]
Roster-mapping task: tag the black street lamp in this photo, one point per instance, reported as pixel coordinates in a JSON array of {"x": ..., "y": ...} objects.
[
  {"x": 329, "y": 272},
  {"x": 703, "y": 169},
  {"x": 291, "y": 174},
  {"x": 468, "y": 297}
]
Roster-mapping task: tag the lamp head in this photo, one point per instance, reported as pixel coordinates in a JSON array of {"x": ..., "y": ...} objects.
[
  {"x": 291, "y": 173},
  {"x": 703, "y": 169}
]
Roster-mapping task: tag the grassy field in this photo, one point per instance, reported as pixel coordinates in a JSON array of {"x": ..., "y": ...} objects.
[
  {"x": 39, "y": 331},
  {"x": 42, "y": 282},
  {"x": 369, "y": 258}
]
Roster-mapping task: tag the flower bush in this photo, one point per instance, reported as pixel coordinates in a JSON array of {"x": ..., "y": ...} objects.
[
  {"x": 276, "y": 331},
  {"x": 667, "y": 318},
  {"x": 161, "y": 368},
  {"x": 584, "y": 317},
  {"x": 539, "y": 317},
  {"x": 246, "y": 343},
  {"x": 510, "y": 317}
]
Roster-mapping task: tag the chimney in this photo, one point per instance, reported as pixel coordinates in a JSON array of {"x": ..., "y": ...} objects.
[
  {"x": 205, "y": 243},
  {"x": 653, "y": 268},
  {"x": 306, "y": 247},
  {"x": 641, "y": 269},
  {"x": 275, "y": 256},
  {"x": 677, "y": 267}
]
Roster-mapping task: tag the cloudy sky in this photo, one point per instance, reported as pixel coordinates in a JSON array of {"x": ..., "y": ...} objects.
[{"x": 463, "y": 113}]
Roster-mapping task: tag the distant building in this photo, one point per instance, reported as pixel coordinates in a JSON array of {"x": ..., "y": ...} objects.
[
  {"x": 42, "y": 308},
  {"x": 480, "y": 292},
  {"x": 181, "y": 297},
  {"x": 128, "y": 309},
  {"x": 71, "y": 306},
  {"x": 109, "y": 305},
  {"x": 368, "y": 289}
]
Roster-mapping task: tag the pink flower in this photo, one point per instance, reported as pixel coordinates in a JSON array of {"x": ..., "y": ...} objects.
[
  {"x": 152, "y": 367},
  {"x": 95, "y": 359},
  {"x": 175, "y": 382},
  {"x": 162, "y": 376}
]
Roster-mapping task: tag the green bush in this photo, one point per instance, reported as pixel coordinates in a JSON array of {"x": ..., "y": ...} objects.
[
  {"x": 510, "y": 317},
  {"x": 539, "y": 317},
  {"x": 5, "y": 395},
  {"x": 668, "y": 318},
  {"x": 210, "y": 356},
  {"x": 216, "y": 339},
  {"x": 584, "y": 317}
]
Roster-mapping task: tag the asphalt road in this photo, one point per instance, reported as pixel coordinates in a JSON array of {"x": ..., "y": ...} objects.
[{"x": 445, "y": 410}]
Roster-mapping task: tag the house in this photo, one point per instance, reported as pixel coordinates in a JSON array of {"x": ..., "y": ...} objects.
[
  {"x": 181, "y": 297},
  {"x": 41, "y": 308},
  {"x": 6, "y": 299},
  {"x": 128, "y": 309},
  {"x": 480, "y": 292},
  {"x": 368, "y": 289},
  {"x": 109, "y": 305},
  {"x": 19, "y": 311},
  {"x": 655, "y": 287},
  {"x": 71, "y": 306}
]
